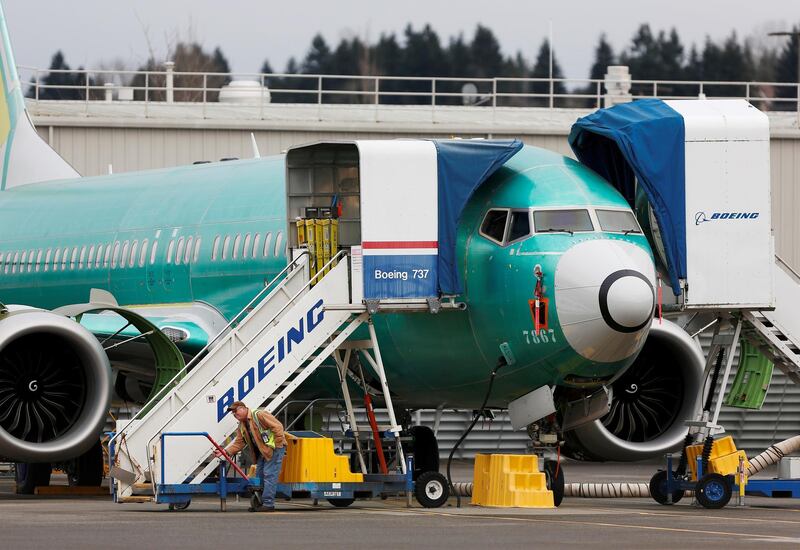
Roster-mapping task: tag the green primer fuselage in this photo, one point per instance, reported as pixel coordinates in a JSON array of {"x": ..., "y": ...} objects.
[{"x": 430, "y": 359}]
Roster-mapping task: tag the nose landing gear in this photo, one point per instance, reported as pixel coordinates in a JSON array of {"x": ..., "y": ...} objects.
[{"x": 546, "y": 440}]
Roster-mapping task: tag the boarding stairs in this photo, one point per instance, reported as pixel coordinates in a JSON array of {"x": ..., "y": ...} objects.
[
  {"x": 261, "y": 360},
  {"x": 774, "y": 332},
  {"x": 777, "y": 332}
]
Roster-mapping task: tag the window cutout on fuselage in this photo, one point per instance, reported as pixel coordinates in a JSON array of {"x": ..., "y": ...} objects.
[
  {"x": 278, "y": 242},
  {"x": 215, "y": 249},
  {"x": 226, "y": 247},
  {"x": 143, "y": 253},
  {"x": 134, "y": 255},
  {"x": 197, "y": 249},
  {"x": 520, "y": 226},
  {"x": 236, "y": 242},
  {"x": 494, "y": 225}
]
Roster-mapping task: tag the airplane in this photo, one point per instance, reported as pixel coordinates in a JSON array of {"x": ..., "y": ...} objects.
[{"x": 177, "y": 252}]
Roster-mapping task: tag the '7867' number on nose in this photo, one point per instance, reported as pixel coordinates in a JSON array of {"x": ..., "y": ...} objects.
[{"x": 544, "y": 336}]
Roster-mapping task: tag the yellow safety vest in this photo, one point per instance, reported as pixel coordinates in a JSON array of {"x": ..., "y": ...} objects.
[{"x": 270, "y": 439}]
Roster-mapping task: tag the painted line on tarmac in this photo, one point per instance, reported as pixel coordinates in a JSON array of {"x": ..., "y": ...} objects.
[
  {"x": 727, "y": 518},
  {"x": 585, "y": 523}
]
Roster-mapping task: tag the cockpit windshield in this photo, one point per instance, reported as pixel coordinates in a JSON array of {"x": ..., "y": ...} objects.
[
  {"x": 618, "y": 221},
  {"x": 562, "y": 221}
]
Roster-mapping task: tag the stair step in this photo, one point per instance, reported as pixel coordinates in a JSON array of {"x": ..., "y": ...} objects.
[{"x": 135, "y": 499}]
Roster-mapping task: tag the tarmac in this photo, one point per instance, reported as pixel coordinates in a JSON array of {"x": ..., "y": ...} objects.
[{"x": 91, "y": 522}]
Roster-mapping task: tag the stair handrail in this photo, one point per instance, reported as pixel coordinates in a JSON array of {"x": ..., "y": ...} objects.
[
  {"x": 789, "y": 268},
  {"x": 309, "y": 405},
  {"x": 257, "y": 335},
  {"x": 213, "y": 340}
]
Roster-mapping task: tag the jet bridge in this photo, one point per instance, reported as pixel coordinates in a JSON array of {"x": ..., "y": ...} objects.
[
  {"x": 396, "y": 204},
  {"x": 697, "y": 174},
  {"x": 396, "y": 207}
]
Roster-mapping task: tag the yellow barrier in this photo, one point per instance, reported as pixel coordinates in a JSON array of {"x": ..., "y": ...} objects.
[
  {"x": 510, "y": 481},
  {"x": 724, "y": 457},
  {"x": 312, "y": 459}
]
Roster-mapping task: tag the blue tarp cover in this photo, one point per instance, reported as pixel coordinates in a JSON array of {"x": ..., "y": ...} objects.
[
  {"x": 642, "y": 140},
  {"x": 463, "y": 165}
]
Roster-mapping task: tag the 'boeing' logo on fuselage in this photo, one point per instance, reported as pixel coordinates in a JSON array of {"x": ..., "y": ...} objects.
[
  {"x": 701, "y": 217},
  {"x": 268, "y": 362}
]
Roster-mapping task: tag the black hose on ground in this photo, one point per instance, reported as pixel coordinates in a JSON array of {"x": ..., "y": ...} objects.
[{"x": 501, "y": 362}]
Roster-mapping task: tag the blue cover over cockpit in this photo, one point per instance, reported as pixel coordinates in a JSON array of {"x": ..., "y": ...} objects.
[
  {"x": 463, "y": 165},
  {"x": 642, "y": 141}
]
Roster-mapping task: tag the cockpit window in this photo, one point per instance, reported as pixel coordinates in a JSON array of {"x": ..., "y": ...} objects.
[
  {"x": 618, "y": 221},
  {"x": 562, "y": 221},
  {"x": 520, "y": 226},
  {"x": 494, "y": 225}
]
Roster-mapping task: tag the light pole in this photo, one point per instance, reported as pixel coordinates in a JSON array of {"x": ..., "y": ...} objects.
[{"x": 797, "y": 34}]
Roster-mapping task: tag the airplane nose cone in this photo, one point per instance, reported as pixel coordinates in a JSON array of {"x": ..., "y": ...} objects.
[
  {"x": 626, "y": 300},
  {"x": 604, "y": 297}
]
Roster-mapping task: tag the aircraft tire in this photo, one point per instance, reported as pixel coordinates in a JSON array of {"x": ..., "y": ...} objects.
[
  {"x": 87, "y": 469},
  {"x": 425, "y": 449},
  {"x": 555, "y": 481},
  {"x": 31, "y": 475}
]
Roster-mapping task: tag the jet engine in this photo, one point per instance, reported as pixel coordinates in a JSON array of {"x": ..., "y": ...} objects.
[
  {"x": 651, "y": 400},
  {"x": 55, "y": 383}
]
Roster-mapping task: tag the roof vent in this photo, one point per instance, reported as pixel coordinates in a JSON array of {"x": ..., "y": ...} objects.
[{"x": 244, "y": 92}]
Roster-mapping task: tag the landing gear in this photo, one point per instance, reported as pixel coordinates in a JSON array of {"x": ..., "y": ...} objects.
[
  {"x": 30, "y": 476},
  {"x": 546, "y": 438},
  {"x": 87, "y": 469},
  {"x": 554, "y": 474},
  {"x": 431, "y": 489},
  {"x": 425, "y": 449}
]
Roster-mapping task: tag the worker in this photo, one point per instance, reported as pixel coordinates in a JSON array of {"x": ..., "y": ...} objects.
[{"x": 270, "y": 447}]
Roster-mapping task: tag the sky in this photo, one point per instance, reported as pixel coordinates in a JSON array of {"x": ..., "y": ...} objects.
[{"x": 99, "y": 33}]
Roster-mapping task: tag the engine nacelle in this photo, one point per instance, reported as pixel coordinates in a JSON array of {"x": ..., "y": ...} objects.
[
  {"x": 651, "y": 401},
  {"x": 55, "y": 387}
]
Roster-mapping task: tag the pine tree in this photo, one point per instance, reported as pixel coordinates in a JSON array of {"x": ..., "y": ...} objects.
[
  {"x": 318, "y": 58},
  {"x": 603, "y": 57},
  {"x": 487, "y": 60},
  {"x": 541, "y": 69},
  {"x": 786, "y": 71},
  {"x": 64, "y": 84}
]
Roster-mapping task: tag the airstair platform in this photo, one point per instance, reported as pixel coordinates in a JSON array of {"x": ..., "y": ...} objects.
[{"x": 261, "y": 360}]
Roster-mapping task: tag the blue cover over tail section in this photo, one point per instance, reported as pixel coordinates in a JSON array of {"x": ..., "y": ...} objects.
[
  {"x": 643, "y": 140},
  {"x": 463, "y": 165}
]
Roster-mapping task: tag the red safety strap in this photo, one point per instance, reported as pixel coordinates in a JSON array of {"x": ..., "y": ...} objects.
[{"x": 375, "y": 433}]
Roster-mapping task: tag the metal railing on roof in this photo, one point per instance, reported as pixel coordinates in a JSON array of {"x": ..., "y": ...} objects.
[{"x": 169, "y": 86}]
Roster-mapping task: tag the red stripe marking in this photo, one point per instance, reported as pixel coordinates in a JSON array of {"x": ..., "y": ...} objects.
[{"x": 400, "y": 244}]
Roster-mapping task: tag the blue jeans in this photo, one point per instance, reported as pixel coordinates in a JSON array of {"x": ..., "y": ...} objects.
[{"x": 268, "y": 471}]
